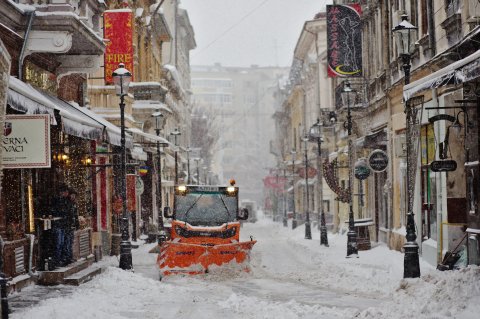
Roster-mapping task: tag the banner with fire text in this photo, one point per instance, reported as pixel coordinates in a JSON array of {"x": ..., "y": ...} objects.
[
  {"x": 118, "y": 33},
  {"x": 344, "y": 40}
]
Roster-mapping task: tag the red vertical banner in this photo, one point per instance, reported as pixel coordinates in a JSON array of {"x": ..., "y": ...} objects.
[
  {"x": 118, "y": 33},
  {"x": 131, "y": 192}
]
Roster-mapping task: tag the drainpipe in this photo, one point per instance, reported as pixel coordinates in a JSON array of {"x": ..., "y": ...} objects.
[
  {"x": 30, "y": 255},
  {"x": 31, "y": 15},
  {"x": 431, "y": 29}
]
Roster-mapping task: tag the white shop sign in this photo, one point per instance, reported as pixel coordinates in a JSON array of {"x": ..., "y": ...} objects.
[{"x": 26, "y": 141}]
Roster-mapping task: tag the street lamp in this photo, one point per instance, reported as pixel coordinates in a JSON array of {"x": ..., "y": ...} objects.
[
  {"x": 121, "y": 80},
  {"x": 161, "y": 231},
  {"x": 294, "y": 219},
  {"x": 188, "y": 150},
  {"x": 316, "y": 133},
  {"x": 308, "y": 229},
  {"x": 406, "y": 34},
  {"x": 352, "y": 249},
  {"x": 205, "y": 174},
  {"x": 175, "y": 134},
  {"x": 285, "y": 217},
  {"x": 197, "y": 160}
]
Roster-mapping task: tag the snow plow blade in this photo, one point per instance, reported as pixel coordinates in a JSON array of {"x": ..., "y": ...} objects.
[{"x": 185, "y": 258}]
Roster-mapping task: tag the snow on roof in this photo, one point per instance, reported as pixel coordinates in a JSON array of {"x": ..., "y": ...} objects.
[{"x": 23, "y": 8}]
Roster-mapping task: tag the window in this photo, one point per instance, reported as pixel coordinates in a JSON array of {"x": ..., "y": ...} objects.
[{"x": 428, "y": 183}]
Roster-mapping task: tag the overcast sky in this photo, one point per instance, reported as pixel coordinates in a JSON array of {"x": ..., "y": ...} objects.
[{"x": 246, "y": 32}]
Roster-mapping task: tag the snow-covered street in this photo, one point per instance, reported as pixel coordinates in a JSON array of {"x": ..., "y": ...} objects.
[{"x": 291, "y": 278}]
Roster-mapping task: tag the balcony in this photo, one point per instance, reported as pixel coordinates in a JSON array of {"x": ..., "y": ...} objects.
[
  {"x": 55, "y": 24},
  {"x": 453, "y": 23}
]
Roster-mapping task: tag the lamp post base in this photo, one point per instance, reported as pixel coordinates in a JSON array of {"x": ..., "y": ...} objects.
[
  {"x": 411, "y": 265},
  {"x": 308, "y": 230},
  {"x": 125, "y": 248},
  {"x": 352, "y": 248},
  {"x": 125, "y": 255},
  {"x": 323, "y": 236}
]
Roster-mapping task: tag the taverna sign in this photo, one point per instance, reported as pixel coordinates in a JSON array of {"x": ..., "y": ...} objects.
[{"x": 26, "y": 141}]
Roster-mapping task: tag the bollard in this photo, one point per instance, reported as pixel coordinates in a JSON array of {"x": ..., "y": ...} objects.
[{"x": 4, "y": 295}]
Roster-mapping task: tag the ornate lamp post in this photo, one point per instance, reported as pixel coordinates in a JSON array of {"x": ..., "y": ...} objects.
[
  {"x": 316, "y": 133},
  {"x": 406, "y": 34},
  {"x": 294, "y": 219},
  {"x": 197, "y": 160},
  {"x": 162, "y": 236},
  {"x": 205, "y": 172},
  {"x": 285, "y": 217},
  {"x": 308, "y": 228},
  {"x": 121, "y": 79},
  {"x": 188, "y": 150},
  {"x": 352, "y": 249},
  {"x": 175, "y": 134}
]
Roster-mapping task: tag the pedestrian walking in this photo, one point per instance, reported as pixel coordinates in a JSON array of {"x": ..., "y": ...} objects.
[
  {"x": 71, "y": 225},
  {"x": 59, "y": 211}
]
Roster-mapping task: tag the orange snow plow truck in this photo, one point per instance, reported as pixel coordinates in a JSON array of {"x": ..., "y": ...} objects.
[{"x": 205, "y": 231}]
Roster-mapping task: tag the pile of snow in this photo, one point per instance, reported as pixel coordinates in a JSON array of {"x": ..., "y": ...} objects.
[
  {"x": 290, "y": 277},
  {"x": 449, "y": 294}
]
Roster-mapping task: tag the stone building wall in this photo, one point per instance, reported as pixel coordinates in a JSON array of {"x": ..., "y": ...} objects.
[{"x": 4, "y": 73}]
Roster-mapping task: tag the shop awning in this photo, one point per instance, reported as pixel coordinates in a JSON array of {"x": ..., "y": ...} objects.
[
  {"x": 23, "y": 97},
  {"x": 146, "y": 137},
  {"x": 456, "y": 73},
  {"x": 77, "y": 121}
]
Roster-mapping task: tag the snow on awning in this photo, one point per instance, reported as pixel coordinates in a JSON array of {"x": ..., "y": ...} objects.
[
  {"x": 76, "y": 120},
  {"x": 113, "y": 131},
  {"x": 138, "y": 153},
  {"x": 169, "y": 160},
  {"x": 149, "y": 137},
  {"x": 153, "y": 105},
  {"x": 23, "y": 97},
  {"x": 458, "y": 72}
]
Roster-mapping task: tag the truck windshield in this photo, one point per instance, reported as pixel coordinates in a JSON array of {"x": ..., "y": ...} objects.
[{"x": 206, "y": 209}]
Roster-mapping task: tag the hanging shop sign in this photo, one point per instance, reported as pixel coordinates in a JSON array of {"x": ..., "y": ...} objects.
[
  {"x": 378, "y": 161},
  {"x": 118, "y": 32},
  {"x": 26, "y": 141},
  {"x": 443, "y": 166},
  {"x": 362, "y": 171}
]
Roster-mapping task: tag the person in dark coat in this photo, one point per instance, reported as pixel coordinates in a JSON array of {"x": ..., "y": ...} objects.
[
  {"x": 59, "y": 211},
  {"x": 71, "y": 224}
]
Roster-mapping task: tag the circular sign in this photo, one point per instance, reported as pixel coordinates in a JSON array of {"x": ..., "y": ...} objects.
[
  {"x": 378, "y": 161},
  {"x": 362, "y": 171}
]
